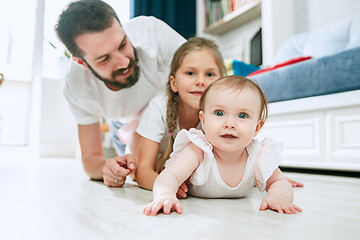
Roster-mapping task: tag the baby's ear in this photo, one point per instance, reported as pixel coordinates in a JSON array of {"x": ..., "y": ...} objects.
[
  {"x": 79, "y": 61},
  {"x": 259, "y": 126}
]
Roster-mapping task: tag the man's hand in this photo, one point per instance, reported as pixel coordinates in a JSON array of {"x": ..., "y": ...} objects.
[{"x": 116, "y": 169}]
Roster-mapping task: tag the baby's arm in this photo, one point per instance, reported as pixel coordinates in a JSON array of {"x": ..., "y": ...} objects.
[
  {"x": 279, "y": 194},
  {"x": 145, "y": 170},
  {"x": 169, "y": 180}
]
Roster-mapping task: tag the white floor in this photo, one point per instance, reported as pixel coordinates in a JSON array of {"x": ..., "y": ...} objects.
[{"x": 54, "y": 199}]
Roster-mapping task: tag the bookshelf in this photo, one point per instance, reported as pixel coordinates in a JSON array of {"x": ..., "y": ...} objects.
[{"x": 228, "y": 21}]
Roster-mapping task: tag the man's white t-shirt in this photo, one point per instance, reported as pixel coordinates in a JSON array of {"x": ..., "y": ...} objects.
[{"x": 89, "y": 99}]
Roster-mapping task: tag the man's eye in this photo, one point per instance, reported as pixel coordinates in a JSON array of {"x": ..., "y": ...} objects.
[
  {"x": 104, "y": 59},
  {"x": 122, "y": 45},
  {"x": 243, "y": 115},
  {"x": 219, "y": 113}
]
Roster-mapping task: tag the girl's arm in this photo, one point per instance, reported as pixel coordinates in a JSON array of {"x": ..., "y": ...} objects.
[
  {"x": 279, "y": 194},
  {"x": 145, "y": 170},
  {"x": 169, "y": 180}
]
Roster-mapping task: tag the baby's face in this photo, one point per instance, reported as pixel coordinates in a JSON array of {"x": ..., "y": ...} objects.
[{"x": 231, "y": 118}]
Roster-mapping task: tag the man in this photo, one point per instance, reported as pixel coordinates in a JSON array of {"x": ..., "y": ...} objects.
[{"x": 118, "y": 70}]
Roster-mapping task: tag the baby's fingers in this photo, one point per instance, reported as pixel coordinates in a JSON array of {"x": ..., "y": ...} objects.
[
  {"x": 297, "y": 208},
  {"x": 148, "y": 208},
  {"x": 178, "y": 208},
  {"x": 291, "y": 209},
  {"x": 167, "y": 207},
  {"x": 264, "y": 205},
  {"x": 157, "y": 207}
]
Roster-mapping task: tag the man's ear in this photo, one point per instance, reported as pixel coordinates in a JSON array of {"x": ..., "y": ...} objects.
[
  {"x": 173, "y": 84},
  {"x": 81, "y": 62},
  {"x": 259, "y": 126}
]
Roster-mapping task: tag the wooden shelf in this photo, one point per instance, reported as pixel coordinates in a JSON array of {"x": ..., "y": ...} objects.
[{"x": 236, "y": 18}]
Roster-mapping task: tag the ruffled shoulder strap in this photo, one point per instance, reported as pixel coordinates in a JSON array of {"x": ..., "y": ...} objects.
[
  {"x": 198, "y": 138},
  {"x": 267, "y": 157}
]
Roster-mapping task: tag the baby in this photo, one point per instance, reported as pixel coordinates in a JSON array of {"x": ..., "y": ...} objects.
[{"x": 225, "y": 160}]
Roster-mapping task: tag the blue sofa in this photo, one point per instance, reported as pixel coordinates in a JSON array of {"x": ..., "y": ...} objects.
[
  {"x": 334, "y": 67},
  {"x": 320, "y": 76}
]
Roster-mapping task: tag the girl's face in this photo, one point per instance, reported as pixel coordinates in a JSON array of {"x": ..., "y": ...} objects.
[
  {"x": 197, "y": 70},
  {"x": 230, "y": 118}
]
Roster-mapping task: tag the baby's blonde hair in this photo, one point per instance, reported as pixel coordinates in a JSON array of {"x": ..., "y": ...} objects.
[
  {"x": 237, "y": 83},
  {"x": 192, "y": 45}
]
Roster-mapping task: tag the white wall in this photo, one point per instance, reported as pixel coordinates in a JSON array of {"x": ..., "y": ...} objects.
[
  {"x": 284, "y": 18},
  {"x": 58, "y": 131}
]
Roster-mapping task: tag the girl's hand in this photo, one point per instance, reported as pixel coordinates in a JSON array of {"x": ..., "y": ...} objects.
[
  {"x": 181, "y": 193},
  {"x": 166, "y": 203},
  {"x": 279, "y": 205}
]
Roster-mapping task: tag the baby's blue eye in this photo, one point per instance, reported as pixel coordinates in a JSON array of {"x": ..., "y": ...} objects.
[
  {"x": 243, "y": 115},
  {"x": 219, "y": 113}
]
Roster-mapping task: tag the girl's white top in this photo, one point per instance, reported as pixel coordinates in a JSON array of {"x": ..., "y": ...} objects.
[{"x": 206, "y": 181}]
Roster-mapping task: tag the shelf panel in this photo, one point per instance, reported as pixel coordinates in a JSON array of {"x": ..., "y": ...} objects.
[{"x": 236, "y": 18}]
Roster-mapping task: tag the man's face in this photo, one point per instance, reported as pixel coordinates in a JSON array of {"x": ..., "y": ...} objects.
[{"x": 110, "y": 56}]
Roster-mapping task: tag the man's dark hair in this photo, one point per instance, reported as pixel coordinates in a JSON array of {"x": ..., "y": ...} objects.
[{"x": 80, "y": 17}]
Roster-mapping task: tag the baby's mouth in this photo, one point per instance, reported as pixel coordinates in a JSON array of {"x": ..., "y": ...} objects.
[{"x": 228, "y": 136}]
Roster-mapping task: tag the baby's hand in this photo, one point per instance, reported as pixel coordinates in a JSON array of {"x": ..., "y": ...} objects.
[
  {"x": 279, "y": 205},
  {"x": 166, "y": 203}
]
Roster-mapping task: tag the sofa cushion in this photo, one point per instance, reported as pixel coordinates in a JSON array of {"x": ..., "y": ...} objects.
[
  {"x": 287, "y": 63},
  {"x": 328, "y": 40},
  {"x": 331, "y": 74},
  {"x": 235, "y": 67}
]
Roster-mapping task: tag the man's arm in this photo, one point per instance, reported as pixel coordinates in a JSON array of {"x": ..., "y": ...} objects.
[
  {"x": 92, "y": 153},
  {"x": 112, "y": 171}
]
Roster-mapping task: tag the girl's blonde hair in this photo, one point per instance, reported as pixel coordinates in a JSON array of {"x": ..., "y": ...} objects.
[
  {"x": 192, "y": 45},
  {"x": 237, "y": 83}
]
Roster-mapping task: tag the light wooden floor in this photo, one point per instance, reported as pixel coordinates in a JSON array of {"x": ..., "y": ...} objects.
[{"x": 54, "y": 199}]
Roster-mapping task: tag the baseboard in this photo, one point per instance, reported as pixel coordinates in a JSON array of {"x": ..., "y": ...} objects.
[{"x": 322, "y": 172}]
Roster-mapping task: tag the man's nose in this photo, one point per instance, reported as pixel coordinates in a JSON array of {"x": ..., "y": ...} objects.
[{"x": 120, "y": 61}]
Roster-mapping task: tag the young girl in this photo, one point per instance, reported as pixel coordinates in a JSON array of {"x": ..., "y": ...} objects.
[
  {"x": 226, "y": 161},
  {"x": 195, "y": 64}
]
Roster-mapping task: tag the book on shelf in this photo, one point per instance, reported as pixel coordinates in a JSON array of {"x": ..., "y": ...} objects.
[{"x": 215, "y": 10}]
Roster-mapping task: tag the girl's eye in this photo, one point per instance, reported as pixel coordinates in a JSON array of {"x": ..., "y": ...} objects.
[
  {"x": 219, "y": 113},
  {"x": 210, "y": 75},
  {"x": 243, "y": 115},
  {"x": 190, "y": 73}
]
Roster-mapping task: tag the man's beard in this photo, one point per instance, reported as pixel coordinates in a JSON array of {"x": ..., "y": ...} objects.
[{"x": 130, "y": 80}]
